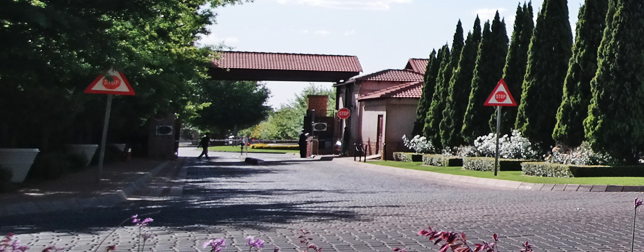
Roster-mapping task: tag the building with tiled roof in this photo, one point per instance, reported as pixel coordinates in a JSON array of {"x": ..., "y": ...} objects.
[
  {"x": 392, "y": 75},
  {"x": 417, "y": 65},
  {"x": 261, "y": 66}
]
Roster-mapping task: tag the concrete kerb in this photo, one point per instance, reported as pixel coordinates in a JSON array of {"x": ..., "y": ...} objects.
[
  {"x": 113, "y": 198},
  {"x": 493, "y": 182}
]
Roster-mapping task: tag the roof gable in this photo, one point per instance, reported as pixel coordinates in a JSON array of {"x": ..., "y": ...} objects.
[
  {"x": 417, "y": 65},
  {"x": 407, "y": 90},
  {"x": 391, "y": 75}
]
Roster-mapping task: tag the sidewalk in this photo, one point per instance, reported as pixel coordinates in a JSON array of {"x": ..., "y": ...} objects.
[{"x": 80, "y": 190}]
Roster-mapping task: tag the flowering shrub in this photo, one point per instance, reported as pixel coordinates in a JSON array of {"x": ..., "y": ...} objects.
[
  {"x": 582, "y": 155},
  {"x": 306, "y": 240},
  {"x": 419, "y": 144},
  {"x": 510, "y": 147}
]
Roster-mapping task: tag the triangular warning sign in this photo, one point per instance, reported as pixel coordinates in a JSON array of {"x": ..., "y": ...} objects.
[
  {"x": 117, "y": 86},
  {"x": 501, "y": 96}
]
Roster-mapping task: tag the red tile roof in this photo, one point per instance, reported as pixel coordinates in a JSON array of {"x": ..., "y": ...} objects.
[
  {"x": 417, "y": 65},
  {"x": 390, "y": 75},
  {"x": 287, "y": 61},
  {"x": 406, "y": 90}
]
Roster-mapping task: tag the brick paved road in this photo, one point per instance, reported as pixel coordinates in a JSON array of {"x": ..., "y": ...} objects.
[{"x": 346, "y": 208}]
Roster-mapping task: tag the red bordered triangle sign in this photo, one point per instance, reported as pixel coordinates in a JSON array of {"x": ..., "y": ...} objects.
[
  {"x": 501, "y": 96},
  {"x": 118, "y": 86}
]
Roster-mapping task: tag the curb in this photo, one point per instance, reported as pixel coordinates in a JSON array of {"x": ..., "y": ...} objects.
[
  {"x": 507, "y": 184},
  {"x": 109, "y": 199}
]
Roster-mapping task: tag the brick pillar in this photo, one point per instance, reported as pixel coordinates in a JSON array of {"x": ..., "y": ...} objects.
[{"x": 318, "y": 103}]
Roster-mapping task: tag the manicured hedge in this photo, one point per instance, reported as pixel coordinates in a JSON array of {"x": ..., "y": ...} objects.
[
  {"x": 408, "y": 157},
  {"x": 440, "y": 160},
  {"x": 543, "y": 169},
  {"x": 487, "y": 164}
]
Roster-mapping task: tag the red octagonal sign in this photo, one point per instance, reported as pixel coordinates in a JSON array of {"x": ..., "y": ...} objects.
[{"x": 344, "y": 113}]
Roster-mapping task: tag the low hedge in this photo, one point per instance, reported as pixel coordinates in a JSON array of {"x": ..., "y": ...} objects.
[
  {"x": 544, "y": 169},
  {"x": 263, "y": 146},
  {"x": 408, "y": 157},
  {"x": 440, "y": 160},
  {"x": 487, "y": 164}
]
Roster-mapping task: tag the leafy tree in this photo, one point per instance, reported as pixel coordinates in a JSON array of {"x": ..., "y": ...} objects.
[
  {"x": 459, "y": 90},
  {"x": 58, "y": 47},
  {"x": 569, "y": 129},
  {"x": 615, "y": 121},
  {"x": 550, "y": 50},
  {"x": 429, "y": 81},
  {"x": 233, "y": 105},
  {"x": 439, "y": 98},
  {"x": 515, "y": 65},
  {"x": 488, "y": 71}
]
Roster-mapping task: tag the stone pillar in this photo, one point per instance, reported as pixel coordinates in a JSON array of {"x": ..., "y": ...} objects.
[{"x": 161, "y": 137}]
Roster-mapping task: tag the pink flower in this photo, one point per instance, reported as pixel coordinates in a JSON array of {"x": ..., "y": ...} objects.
[{"x": 638, "y": 202}]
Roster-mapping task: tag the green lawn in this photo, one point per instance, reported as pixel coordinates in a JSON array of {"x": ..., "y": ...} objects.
[
  {"x": 250, "y": 150},
  {"x": 515, "y": 175}
]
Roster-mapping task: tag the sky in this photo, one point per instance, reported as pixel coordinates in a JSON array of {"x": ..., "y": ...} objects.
[{"x": 383, "y": 34}]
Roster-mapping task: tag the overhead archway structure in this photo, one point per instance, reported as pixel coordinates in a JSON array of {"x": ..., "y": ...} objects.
[{"x": 263, "y": 66}]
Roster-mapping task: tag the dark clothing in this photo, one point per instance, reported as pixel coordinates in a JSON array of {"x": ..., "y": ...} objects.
[
  {"x": 302, "y": 142},
  {"x": 205, "y": 142}
]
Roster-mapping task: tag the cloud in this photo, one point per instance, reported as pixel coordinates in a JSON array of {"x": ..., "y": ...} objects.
[
  {"x": 347, "y": 4},
  {"x": 215, "y": 40},
  {"x": 350, "y": 33},
  {"x": 488, "y": 14},
  {"x": 322, "y": 33}
]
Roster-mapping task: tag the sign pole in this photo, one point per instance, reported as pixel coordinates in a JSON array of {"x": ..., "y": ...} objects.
[
  {"x": 498, "y": 131},
  {"x": 106, "y": 122}
]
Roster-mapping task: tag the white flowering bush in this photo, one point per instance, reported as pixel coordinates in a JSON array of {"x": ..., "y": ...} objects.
[
  {"x": 582, "y": 155},
  {"x": 510, "y": 147},
  {"x": 419, "y": 144}
]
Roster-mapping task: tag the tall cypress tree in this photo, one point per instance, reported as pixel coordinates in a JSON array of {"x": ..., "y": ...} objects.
[
  {"x": 615, "y": 120},
  {"x": 428, "y": 130},
  {"x": 459, "y": 90},
  {"x": 488, "y": 71},
  {"x": 548, "y": 56},
  {"x": 569, "y": 129},
  {"x": 515, "y": 64},
  {"x": 429, "y": 82},
  {"x": 435, "y": 112}
]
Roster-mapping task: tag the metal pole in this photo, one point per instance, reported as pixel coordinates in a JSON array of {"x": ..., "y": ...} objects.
[
  {"x": 106, "y": 123},
  {"x": 498, "y": 130}
]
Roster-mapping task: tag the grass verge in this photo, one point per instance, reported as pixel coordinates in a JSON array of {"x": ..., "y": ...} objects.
[
  {"x": 250, "y": 150},
  {"x": 515, "y": 175}
]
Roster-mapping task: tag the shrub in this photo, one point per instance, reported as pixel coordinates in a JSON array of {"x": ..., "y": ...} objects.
[
  {"x": 543, "y": 169},
  {"x": 514, "y": 147},
  {"x": 50, "y": 165},
  {"x": 440, "y": 160},
  {"x": 419, "y": 144},
  {"x": 582, "y": 155},
  {"x": 407, "y": 157},
  {"x": 487, "y": 164}
]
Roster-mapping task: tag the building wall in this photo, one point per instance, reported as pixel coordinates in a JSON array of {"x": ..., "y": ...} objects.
[
  {"x": 400, "y": 121},
  {"x": 371, "y": 109}
]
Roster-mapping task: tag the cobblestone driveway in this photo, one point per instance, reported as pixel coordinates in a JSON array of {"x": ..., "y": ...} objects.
[{"x": 346, "y": 207}]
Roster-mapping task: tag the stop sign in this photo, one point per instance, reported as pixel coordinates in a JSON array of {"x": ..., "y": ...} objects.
[
  {"x": 500, "y": 96},
  {"x": 344, "y": 113}
]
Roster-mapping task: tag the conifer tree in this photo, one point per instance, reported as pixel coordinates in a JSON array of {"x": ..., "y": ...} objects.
[
  {"x": 459, "y": 90},
  {"x": 548, "y": 56},
  {"x": 569, "y": 129},
  {"x": 488, "y": 71},
  {"x": 428, "y": 130},
  {"x": 429, "y": 82},
  {"x": 515, "y": 65},
  {"x": 435, "y": 112},
  {"x": 615, "y": 121}
]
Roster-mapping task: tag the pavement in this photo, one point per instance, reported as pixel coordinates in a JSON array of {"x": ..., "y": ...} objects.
[{"x": 123, "y": 181}]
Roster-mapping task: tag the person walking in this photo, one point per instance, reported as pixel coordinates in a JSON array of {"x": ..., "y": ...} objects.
[
  {"x": 205, "y": 143},
  {"x": 303, "y": 142}
]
